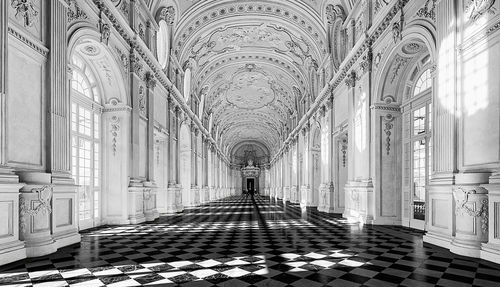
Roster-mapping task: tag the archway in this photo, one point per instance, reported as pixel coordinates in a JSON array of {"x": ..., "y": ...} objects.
[
  {"x": 99, "y": 134},
  {"x": 405, "y": 121}
]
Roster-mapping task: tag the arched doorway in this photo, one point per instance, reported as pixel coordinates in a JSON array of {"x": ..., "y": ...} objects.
[
  {"x": 404, "y": 114},
  {"x": 417, "y": 143},
  {"x": 86, "y": 111},
  {"x": 99, "y": 130}
]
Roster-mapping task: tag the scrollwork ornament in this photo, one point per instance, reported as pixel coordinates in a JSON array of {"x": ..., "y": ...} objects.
[
  {"x": 428, "y": 12},
  {"x": 461, "y": 207},
  {"x": 389, "y": 119},
  {"x": 343, "y": 149},
  {"x": 25, "y": 9},
  {"x": 477, "y": 8},
  {"x": 75, "y": 12},
  {"x": 351, "y": 79},
  {"x": 115, "y": 128},
  {"x": 43, "y": 205},
  {"x": 168, "y": 15},
  {"x": 105, "y": 30}
]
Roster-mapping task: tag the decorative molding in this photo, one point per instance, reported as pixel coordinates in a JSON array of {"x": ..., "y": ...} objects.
[
  {"x": 388, "y": 122},
  {"x": 426, "y": 12},
  {"x": 75, "y": 12},
  {"x": 248, "y": 8},
  {"x": 168, "y": 15},
  {"x": 115, "y": 128},
  {"x": 384, "y": 107},
  {"x": 104, "y": 29},
  {"x": 123, "y": 58},
  {"x": 477, "y": 8},
  {"x": 142, "y": 101},
  {"x": 397, "y": 27},
  {"x": 25, "y": 9},
  {"x": 44, "y": 195},
  {"x": 150, "y": 81},
  {"x": 344, "y": 146},
  {"x": 136, "y": 65},
  {"x": 141, "y": 32},
  {"x": 351, "y": 79},
  {"x": 461, "y": 200},
  {"x": 40, "y": 49},
  {"x": 366, "y": 63},
  {"x": 478, "y": 37}
]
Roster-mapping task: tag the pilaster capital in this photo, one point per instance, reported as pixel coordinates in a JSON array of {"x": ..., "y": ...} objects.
[
  {"x": 150, "y": 81},
  {"x": 168, "y": 15}
]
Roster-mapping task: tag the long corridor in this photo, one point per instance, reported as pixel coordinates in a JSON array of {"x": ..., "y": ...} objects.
[{"x": 244, "y": 241}]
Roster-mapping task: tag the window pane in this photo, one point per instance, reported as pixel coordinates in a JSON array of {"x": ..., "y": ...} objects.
[{"x": 419, "y": 118}]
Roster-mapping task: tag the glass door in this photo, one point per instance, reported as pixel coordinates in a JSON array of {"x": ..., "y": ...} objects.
[{"x": 420, "y": 164}]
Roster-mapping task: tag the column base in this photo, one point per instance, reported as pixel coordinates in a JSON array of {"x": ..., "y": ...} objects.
[
  {"x": 67, "y": 239},
  {"x": 12, "y": 252},
  {"x": 490, "y": 252},
  {"x": 440, "y": 240},
  {"x": 42, "y": 246}
]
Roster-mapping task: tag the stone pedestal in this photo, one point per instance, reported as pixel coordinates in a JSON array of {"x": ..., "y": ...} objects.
[
  {"x": 359, "y": 206},
  {"x": 305, "y": 196},
  {"x": 11, "y": 248},
  {"x": 149, "y": 201},
  {"x": 286, "y": 194},
  {"x": 35, "y": 203},
  {"x": 136, "y": 204},
  {"x": 195, "y": 193},
  {"x": 327, "y": 198},
  {"x": 471, "y": 223}
]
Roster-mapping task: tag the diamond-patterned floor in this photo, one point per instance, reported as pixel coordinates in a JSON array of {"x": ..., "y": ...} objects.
[{"x": 243, "y": 242}]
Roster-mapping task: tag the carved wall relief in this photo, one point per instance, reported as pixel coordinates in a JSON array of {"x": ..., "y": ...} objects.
[
  {"x": 34, "y": 207},
  {"x": 115, "y": 128},
  {"x": 388, "y": 122},
  {"x": 26, "y": 10},
  {"x": 461, "y": 206},
  {"x": 475, "y": 9}
]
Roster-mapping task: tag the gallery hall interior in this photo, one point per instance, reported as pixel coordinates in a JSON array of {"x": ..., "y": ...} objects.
[{"x": 262, "y": 143}]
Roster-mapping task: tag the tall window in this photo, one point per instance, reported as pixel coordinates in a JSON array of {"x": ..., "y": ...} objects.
[
  {"x": 163, "y": 43},
  {"x": 86, "y": 141},
  {"x": 418, "y": 143}
]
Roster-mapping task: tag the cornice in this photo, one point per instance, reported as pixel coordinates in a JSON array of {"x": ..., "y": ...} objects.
[
  {"x": 126, "y": 32},
  {"x": 29, "y": 41},
  {"x": 363, "y": 44}
]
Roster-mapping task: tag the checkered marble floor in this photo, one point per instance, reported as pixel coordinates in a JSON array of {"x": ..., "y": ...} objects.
[{"x": 242, "y": 241}]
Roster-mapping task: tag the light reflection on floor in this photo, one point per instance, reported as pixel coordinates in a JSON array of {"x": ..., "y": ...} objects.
[{"x": 245, "y": 242}]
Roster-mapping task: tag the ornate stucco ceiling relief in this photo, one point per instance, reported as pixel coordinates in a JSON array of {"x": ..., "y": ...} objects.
[{"x": 255, "y": 59}]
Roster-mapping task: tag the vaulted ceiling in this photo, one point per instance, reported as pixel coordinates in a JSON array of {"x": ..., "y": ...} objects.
[{"x": 253, "y": 61}]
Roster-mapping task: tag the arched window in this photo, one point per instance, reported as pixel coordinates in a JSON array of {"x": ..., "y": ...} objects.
[
  {"x": 423, "y": 83},
  {"x": 187, "y": 84},
  {"x": 86, "y": 141},
  {"x": 418, "y": 145},
  {"x": 163, "y": 43}
]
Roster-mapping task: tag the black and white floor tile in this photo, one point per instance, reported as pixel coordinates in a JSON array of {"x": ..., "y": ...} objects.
[{"x": 242, "y": 241}]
